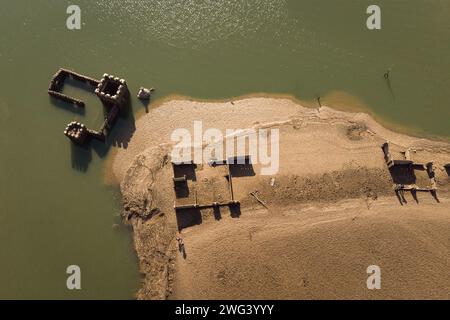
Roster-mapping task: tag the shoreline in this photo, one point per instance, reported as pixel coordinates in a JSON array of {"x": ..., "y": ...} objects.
[
  {"x": 341, "y": 101},
  {"x": 308, "y": 135}
]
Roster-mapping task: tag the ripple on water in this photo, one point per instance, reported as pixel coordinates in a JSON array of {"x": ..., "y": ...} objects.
[{"x": 194, "y": 23}]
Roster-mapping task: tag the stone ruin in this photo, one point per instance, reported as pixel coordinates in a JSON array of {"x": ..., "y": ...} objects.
[
  {"x": 112, "y": 91},
  {"x": 76, "y": 131}
]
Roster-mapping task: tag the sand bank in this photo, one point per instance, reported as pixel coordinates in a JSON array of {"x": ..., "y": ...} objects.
[{"x": 331, "y": 209}]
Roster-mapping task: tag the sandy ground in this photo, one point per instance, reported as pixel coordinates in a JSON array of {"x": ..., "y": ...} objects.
[
  {"x": 319, "y": 252},
  {"x": 331, "y": 210}
]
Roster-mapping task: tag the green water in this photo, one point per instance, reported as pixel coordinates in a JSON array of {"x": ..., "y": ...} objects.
[{"x": 55, "y": 209}]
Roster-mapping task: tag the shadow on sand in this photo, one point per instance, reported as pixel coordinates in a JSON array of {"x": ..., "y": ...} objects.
[
  {"x": 182, "y": 190},
  {"x": 191, "y": 217},
  {"x": 235, "y": 210},
  {"x": 187, "y": 170},
  {"x": 447, "y": 169},
  {"x": 403, "y": 174},
  {"x": 188, "y": 217},
  {"x": 242, "y": 170}
]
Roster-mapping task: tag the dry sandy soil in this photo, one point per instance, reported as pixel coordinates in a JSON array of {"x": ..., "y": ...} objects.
[{"x": 331, "y": 210}]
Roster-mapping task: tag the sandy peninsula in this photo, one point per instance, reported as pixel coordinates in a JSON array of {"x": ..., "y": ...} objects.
[{"x": 327, "y": 214}]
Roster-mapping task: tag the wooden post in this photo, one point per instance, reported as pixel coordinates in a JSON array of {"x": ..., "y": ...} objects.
[{"x": 230, "y": 181}]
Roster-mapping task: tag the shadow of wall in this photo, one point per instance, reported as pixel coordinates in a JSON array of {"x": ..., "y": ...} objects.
[
  {"x": 188, "y": 217},
  {"x": 403, "y": 174}
]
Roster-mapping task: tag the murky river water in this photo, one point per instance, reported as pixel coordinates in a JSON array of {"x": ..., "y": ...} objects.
[{"x": 56, "y": 210}]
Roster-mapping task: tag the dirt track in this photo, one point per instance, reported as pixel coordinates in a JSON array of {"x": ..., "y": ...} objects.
[{"x": 319, "y": 252}]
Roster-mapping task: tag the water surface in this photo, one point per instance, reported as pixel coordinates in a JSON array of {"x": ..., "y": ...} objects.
[{"x": 55, "y": 209}]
